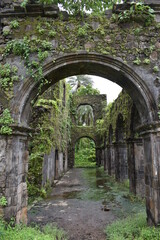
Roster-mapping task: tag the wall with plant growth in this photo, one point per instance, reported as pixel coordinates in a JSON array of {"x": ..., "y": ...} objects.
[{"x": 51, "y": 123}]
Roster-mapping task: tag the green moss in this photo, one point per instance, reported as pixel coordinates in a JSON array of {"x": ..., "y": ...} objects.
[{"x": 122, "y": 105}]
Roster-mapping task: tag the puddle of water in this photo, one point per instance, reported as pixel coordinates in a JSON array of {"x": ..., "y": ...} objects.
[
  {"x": 98, "y": 186},
  {"x": 65, "y": 195},
  {"x": 102, "y": 187}
]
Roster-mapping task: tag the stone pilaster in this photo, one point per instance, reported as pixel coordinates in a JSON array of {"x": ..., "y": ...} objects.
[
  {"x": 71, "y": 157},
  {"x": 131, "y": 166},
  {"x": 151, "y": 141},
  {"x": 121, "y": 163},
  {"x": 14, "y": 168}
]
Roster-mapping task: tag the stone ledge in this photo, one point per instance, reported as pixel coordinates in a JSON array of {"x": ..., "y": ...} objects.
[
  {"x": 31, "y": 10},
  {"x": 126, "y": 6}
]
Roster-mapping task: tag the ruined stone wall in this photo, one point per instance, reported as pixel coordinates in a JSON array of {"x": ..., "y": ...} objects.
[
  {"x": 132, "y": 43},
  {"x": 124, "y": 52},
  {"x": 48, "y": 169},
  {"x": 98, "y": 104},
  {"x": 125, "y": 158},
  {"x": 14, "y": 166},
  {"x": 49, "y": 140}
]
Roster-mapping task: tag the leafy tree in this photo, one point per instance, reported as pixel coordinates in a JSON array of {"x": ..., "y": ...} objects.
[
  {"x": 85, "y": 115},
  {"x": 85, "y": 153},
  {"x": 80, "y": 6},
  {"x": 88, "y": 90},
  {"x": 81, "y": 80}
]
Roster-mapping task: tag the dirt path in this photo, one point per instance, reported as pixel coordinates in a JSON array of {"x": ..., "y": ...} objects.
[{"x": 81, "y": 218}]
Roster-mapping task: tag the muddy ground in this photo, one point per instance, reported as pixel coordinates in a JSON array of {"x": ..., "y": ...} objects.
[{"x": 82, "y": 204}]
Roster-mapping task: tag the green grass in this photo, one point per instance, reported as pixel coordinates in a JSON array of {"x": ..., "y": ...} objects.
[
  {"x": 85, "y": 153},
  {"x": 132, "y": 228},
  {"x": 83, "y": 163},
  {"x": 22, "y": 232}
]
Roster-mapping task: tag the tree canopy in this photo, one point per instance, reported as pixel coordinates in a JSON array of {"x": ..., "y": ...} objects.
[
  {"x": 80, "y": 80},
  {"x": 80, "y": 6}
]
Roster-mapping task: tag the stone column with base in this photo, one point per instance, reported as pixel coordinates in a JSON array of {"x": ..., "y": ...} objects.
[
  {"x": 121, "y": 165},
  {"x": 13, "y": 172},
  {"x": 136, "y": 166},
  {"x": 151, "y": 141}
]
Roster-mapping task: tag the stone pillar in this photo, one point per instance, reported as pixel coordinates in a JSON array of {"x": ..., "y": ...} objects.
[
  {"x": 151, "y": 141},
  {"x": 105, "y": 158},
  {"x": 60, "y": 165},
  {"x": 136, "y": 166},
  {"x": 108, "y": 160},
  {"x": 66, "y": 161},
  {"x": 121, "y": 163},
  {"x": 71, "y": 157},
  {"x": 117, "y": 167},
  {"x": 98, "y": 156},
  {"x": 139, "y": 167},
  {"x": 131, "y": 166},
  {"x": 48, "y": 170},
  {"x": 112, "y": 154},
  {"x": 13, "y": 172}
]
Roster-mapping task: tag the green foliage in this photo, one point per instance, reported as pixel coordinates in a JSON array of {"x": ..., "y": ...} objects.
[
  {"x": 52, "y": 132},
  {"x": 83, "y": 31},
  {"x": 5, "y": 121},
  {"x": 87, "y": 90},
  {"x": 133, "y": 227},
  {"x": 79, "y": 6},
  {"x": 137, "y": 61},
  {"x": 78, "y": 81},
  {"x": 8, "y": 75},
  {"x": 24, "y": 47},
  {"x": 3, "y": 201},
  {"x": 137, "y": 12},
  {"x": 85, "y": 116},
  {"x": 24, "y": 3},
  {"x": 100, "y": 127},
  {"x": 22, "y": 232},
  {"x": 147, "y": 61},
  {"x": 52, "y": 33},
  {"x": 6, "y": 33},
  {"x": 155, "y": 69},
  {"x": 42, "y": 55},
  {"x": 18, "y": 47},
  {"x": 122, "y": 105},
  {"x": 14, "y": 24},
  {"x": 85, "y": 153}
]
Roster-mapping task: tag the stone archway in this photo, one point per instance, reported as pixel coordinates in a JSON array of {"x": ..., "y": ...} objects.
[{"x": 93, "y": 64}]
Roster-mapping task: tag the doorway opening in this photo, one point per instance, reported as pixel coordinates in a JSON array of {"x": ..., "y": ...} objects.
[{"x": 85, "y": 153}]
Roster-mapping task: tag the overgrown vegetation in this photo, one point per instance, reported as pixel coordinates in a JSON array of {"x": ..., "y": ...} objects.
[
  {"x": 22, "y": 232},
  {"x": 85, "y": 153},
  {"x": 133, "y": 227},
  {"x": 5, "y": 121},
  {"x": 79, "y": 6},
  {"x": 121, "y": 106},
  {"x": 8, "y": 75},
  {"x": 52, "y": 132},
  {"x": 138, "y": 12},
  {"x": 3, "y": 201}
]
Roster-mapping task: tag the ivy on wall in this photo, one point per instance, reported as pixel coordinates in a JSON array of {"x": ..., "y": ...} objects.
[
  {"x": 95, "y": 33},
  {"x": 122, "y": 105},
  {"x": 52, "y": 126},
  {"x": 5, "y": 121}
]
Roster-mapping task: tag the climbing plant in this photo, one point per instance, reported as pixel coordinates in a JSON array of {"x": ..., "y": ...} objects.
[
  {"x": 51, "y": 121},
  {"x": 137, "y": 12},
  {"x": 5, "y": 121},
  {"x": 8, "y": 75}
]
